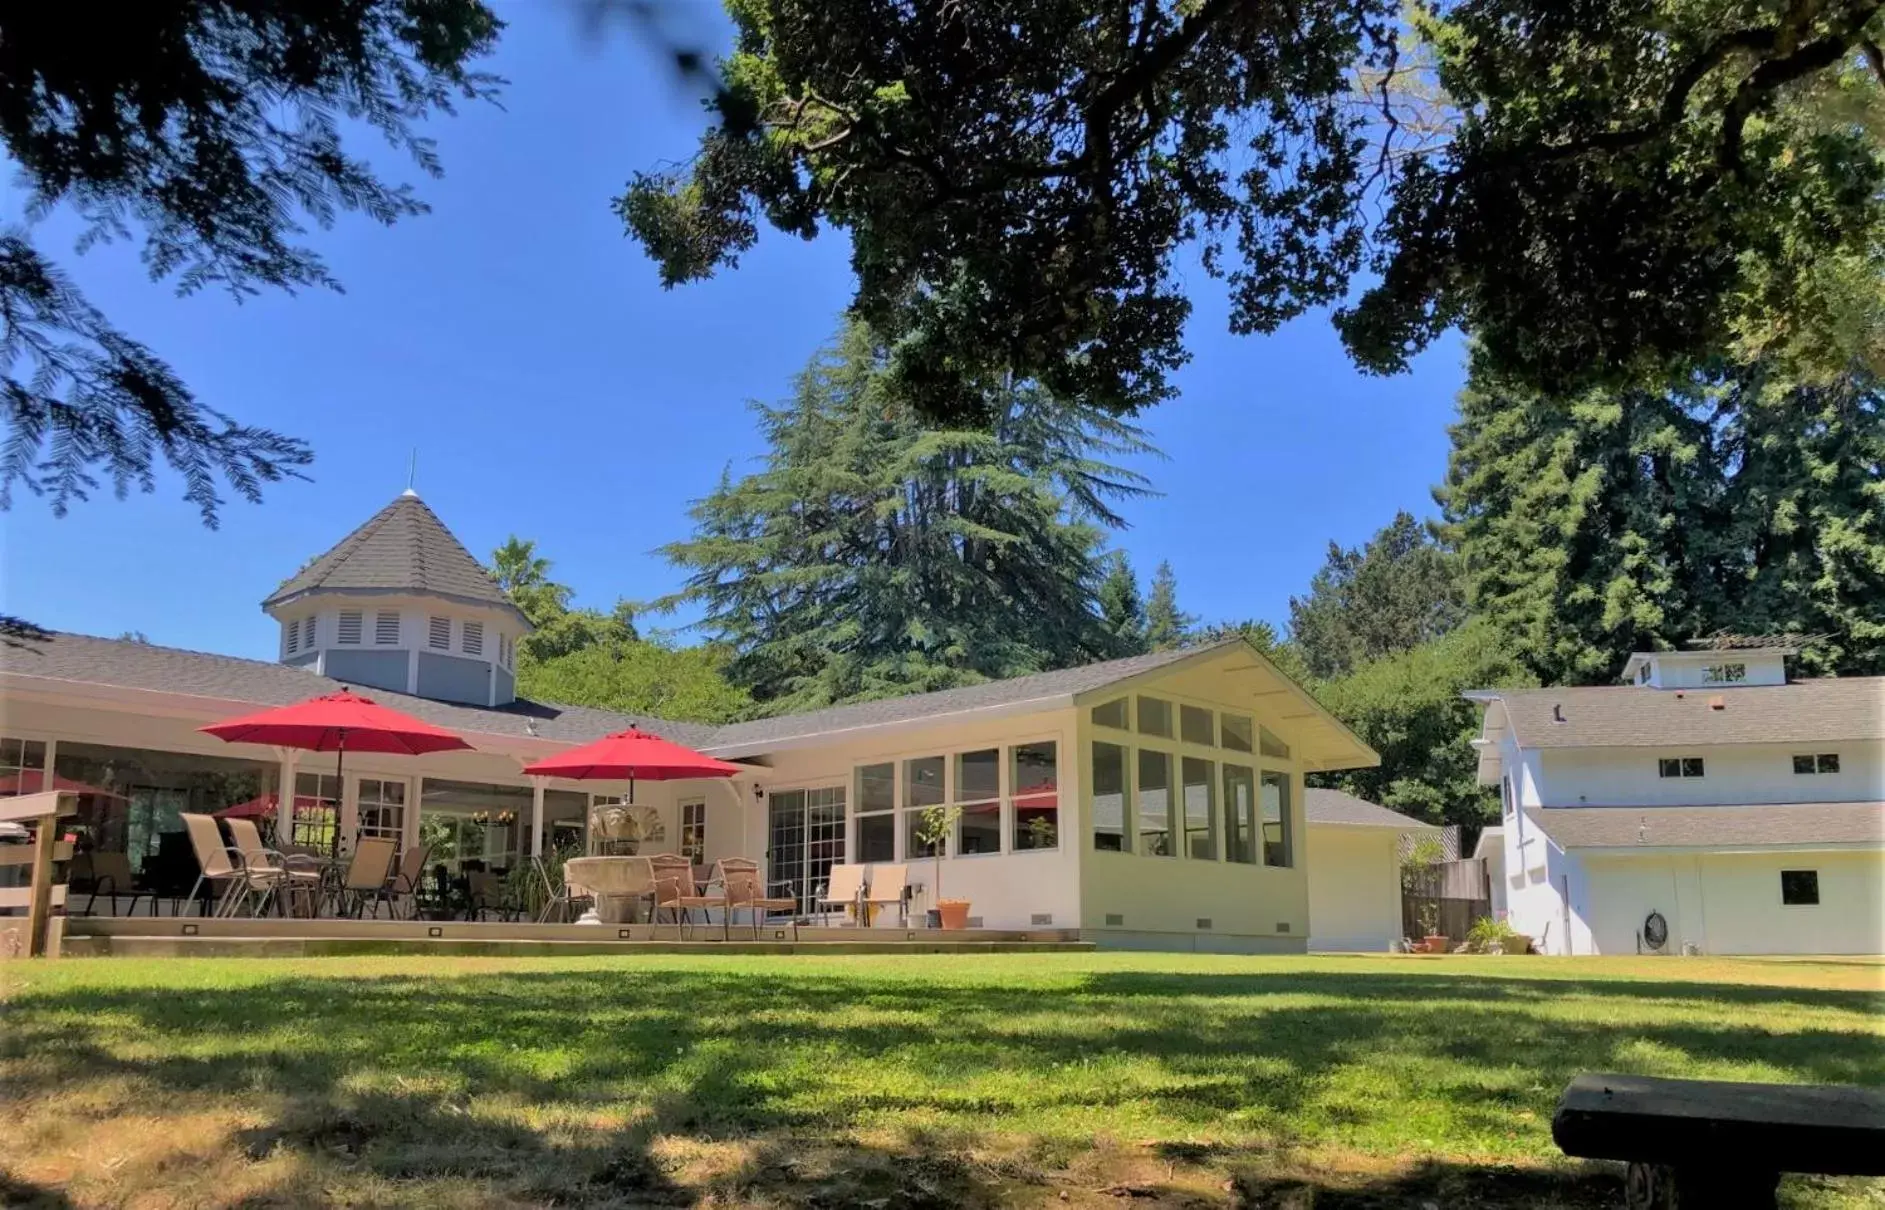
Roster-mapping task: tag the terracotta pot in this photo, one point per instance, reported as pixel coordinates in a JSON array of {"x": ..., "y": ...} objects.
[
  {"x": 954, "y": 913},
  {"x": 1434, "y": 943}
]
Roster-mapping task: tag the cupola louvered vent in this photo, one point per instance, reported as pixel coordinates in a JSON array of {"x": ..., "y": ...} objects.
[
  {"x": 386, "y": 628},
  {"x": 293, "y": 636},
  {"x": 351, "y": 622},
  {"x": 440, "y": 635},
  {"x": 307, "y": 632},
  {"x": 473, "y": 641}
]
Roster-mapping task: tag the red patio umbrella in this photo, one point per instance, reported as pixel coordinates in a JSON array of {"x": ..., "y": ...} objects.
[
  {"x": 255, "y": 808},
  {"x": 630, "y": 755},
  {"x": 339, "y": 723}
]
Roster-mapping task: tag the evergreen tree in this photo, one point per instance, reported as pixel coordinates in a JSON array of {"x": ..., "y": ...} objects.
[
  {"x": 1735, "y": 498},
  {"x": 638, "y": 677},
  {"x": 1166, "y": 626},
  {"x": 1121, "y": 605},
  {"x": 1393, "y": 594},
  {"x": 874, "y": 556}
]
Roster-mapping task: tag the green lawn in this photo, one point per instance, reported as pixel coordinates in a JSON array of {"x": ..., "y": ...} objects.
[{"x": 1098, "y": 1079}]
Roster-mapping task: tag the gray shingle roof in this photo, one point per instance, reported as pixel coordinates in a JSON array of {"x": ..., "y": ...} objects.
[
  {"x": 1709, "y": 827},
  {"x": 402, "y": 548},
  {"x": 1338, "y": 807},
  {"x": 81, "y": 658},
  {"x": 1041, "y": 686},
  {"x": 1633, "y": 716}
]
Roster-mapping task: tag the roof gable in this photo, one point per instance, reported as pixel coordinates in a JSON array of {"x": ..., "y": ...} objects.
[
  {"x": 1342, "y": 808},
  {"x": 402, "y": 548}
]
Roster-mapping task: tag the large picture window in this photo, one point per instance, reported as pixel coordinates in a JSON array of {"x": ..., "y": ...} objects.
[
  {"x": 1273, "y": 795},
  {"x": 1155, "y": 803},
  {"x": 1110, "y": 833},
  {"x": 876, "y": 799},
  {"x": 1034, "y": 780},
  {"x": 978, "y": 794},
  {"x": 1240, "y": 814},
  {"x": 1155, "y": 717},
  {"x": 1196, "y": 725},
  {"x": 922, "y": 789},
  {"x": 1200, "y": 810}
]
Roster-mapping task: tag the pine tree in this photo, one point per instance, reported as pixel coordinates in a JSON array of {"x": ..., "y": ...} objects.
[
  {"x": 874, "y": 556},
  {"x": 1121, "y": 605},
  {"x": 1398, "y": 591},
  {"x": 1733, "y": 498},
  {"x": 1166, "y": 626}
]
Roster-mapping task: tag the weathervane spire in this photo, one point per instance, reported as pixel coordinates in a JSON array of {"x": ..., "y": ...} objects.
[{"x": 412, "y": 473}]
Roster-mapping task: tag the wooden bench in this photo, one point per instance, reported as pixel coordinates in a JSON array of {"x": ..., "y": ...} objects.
[{"x": 1693, "y": 1143}]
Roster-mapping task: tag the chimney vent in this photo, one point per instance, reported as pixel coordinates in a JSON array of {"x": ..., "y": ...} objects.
[
  {"x": 1716, "y": 703},
  {"x": 1557, "y": 712}
]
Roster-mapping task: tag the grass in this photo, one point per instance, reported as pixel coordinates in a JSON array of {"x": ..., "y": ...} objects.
[{"x": 1083, "y": 1079}]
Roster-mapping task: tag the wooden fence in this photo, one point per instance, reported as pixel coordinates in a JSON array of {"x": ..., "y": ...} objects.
[{"x": 1458, "y": 892}]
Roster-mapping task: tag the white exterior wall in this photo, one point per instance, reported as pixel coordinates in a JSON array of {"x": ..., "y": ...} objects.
[
  {"x": 1732, "y": 775},
  {"x": 1729, "y": 903},
  {"x": 1354, "y": 888}
]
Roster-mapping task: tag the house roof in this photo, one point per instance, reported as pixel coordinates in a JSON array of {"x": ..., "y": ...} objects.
[
  {"x": 402, "y": 548},
  {"x": 1634, "y": 716},
  {"x": 122, "y": 663},
  {"x": 1343, "y": 809},
  {"x": 1043, "y": 687},
  {"x": 82, "y": 659},
  {"x": 1842, "y": 823}
]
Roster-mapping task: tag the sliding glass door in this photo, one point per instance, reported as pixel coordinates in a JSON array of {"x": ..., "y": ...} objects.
[{"x": 804, "y": 839}]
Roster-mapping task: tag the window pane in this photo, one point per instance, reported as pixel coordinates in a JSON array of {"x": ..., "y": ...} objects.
[
  {"x": 876, "y": 787},
  {"x": 1155, "y": 803},
  {"x": 1237, "y": 732},
  {"x": 1196, "y": 726},
  {"x": 876, "y": 838},
  {"x": 1111, "y": 714},
  {"x": 978, "y": 775},
  {"x": 1240, "y": 810},
  {"x": 1155, "y": 717},
  {"x": 1270, "y": 745},
  {"x": 1669, "y": 767},
  {"x": 981, "y": 829},
  {"x": 1109, "y": 799},
  {"x": 1801, "y": 764},
  {"x": 1035, "y": 782},
  {"x": 1800, "y": 888},
  {"x": 923, "y": 781},
  {"x": 1274, "y": 798},
  {"x": 1829, "y": 762},
  {"x": 913, "y": 844},
  {"x": 1200, "y": 817},
  {"x": 1691, "y": 766}
]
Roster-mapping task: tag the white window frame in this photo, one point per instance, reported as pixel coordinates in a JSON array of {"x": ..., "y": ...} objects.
[{"x": 952, "y": 778}]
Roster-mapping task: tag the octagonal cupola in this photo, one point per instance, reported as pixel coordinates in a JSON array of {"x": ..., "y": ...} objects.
[{"x": 400, "y": 604}]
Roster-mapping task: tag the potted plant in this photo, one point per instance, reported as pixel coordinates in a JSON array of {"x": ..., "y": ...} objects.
[
  {"x": 1433, "y": 941},
  {"x": 933, "y": 829}
]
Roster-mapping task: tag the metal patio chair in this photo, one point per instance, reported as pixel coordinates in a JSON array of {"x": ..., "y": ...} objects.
[
  {"x": 369, "y": 877},
  {"x": 739, "y": 877},
  {"x": 218, "y": 866},
  {"x": 271, "y": 874},
  {"x": 889, "y": 884},
  {"x": 844, "y": 888}
]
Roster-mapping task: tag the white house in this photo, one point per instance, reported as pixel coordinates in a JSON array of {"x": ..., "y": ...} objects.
[
  {"x": 1153, "y": 801},
  {"x": 1709, "y": 802},
  {"x": 1354, "y": 872}
]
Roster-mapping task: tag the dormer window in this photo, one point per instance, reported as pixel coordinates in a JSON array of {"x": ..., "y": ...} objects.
[
  {"x": 1679, "y": 766},
  {"x": 386, "y": 628},
  {"x": 352, "y": 622},
  {"x": 471, "y": 639},
  {"x": 439, "y": 635},
  {"x": 1724, "y": 674},
  {"x": 1824, "y": 762}
]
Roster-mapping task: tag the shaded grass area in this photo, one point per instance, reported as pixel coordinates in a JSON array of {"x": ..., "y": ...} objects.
[{"x": 1090, "y": 1079}]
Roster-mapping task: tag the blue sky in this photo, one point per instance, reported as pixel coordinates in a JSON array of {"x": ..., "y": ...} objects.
[{"x": 521, "y": 343}]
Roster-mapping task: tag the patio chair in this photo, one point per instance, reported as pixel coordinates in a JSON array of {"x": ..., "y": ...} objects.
[
  {"x": 102, "y": 872},
  {"x": 489, "y": 892},
  {"x": 676, "y": 879},
  {"x": 844, "y": 888},
  {"x": 269, "y": 873},
  {"x": 692, "y": 898},
  {"x": 409, "y": 880},
  {"x": 369, "y": 876},
  {"x": 217, "y": 864},
  {"x": 889, "y": 884},
  {"x": 743, "y": 889},
  {"x": 557, "y": 892}
]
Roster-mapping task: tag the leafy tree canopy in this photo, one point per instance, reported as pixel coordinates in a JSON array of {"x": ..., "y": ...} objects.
[
  {"x": 1587, "y": 187},
  {"x": 873, "y": 555},
  {"x": 1395, "y": 593},
  {"x": 214, "y": 128},
  {"x": 1743, "y": 498}
]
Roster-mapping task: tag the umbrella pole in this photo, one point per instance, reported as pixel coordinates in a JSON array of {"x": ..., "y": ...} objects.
[{"x": 340, "y": 790}]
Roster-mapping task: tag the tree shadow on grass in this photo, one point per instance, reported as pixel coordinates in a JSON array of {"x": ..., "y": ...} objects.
[{"x": 570, "y": 1086}]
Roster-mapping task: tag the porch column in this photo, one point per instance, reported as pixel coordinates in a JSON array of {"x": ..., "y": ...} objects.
[
  {"x": 537, "y": 786},
  {"x": 285, "y": 796}
]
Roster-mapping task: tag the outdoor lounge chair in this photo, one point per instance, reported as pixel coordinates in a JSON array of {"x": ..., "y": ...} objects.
[
  {"x": 369, "y": 876},
  {"x": 889, "y": 884},
  {"x": 844, "y": 888},
  {"x": 742, "y": 888},
  {"x": 218, "y": 865},
  {"x": 103, "y": 872},
  {"x": 268, "y": 873}
]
